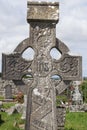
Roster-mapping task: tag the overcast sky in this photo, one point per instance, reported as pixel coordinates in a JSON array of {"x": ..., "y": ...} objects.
[{"x": 71, "y": 29}]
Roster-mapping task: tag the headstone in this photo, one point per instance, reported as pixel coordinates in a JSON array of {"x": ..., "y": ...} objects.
[
  {"x": 8, "y": 91},
  {"x": 41, "y": 113},
  {"x": 77, "y": 100},
  {"x": 24, "y": 107},
  {"x": 77, "y": 97}
]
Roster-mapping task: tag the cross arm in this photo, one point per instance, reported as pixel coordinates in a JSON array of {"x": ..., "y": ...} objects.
[
  {"x": 68, "y": 67},
  {"x": 14, "y": 67}
]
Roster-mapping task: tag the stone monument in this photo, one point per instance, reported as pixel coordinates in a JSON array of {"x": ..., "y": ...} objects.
[
  {"x": 77, "y": 97},
  {"x": 41, "y": 113},
  {"x": 77, "y": 100},
  {"x": 8, "y": 91}
]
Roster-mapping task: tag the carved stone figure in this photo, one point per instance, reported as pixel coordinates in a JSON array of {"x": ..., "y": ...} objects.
[{"x": 41, "y": 93}]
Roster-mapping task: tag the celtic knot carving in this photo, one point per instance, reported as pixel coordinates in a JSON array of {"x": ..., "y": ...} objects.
[{"x": 70, "y": 65}]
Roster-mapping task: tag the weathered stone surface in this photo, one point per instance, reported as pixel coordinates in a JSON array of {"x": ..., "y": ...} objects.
[
  {"x": 15, "y": 67},
  {"x": 60, "y": 87},
  {"x": 76, "y": 108},
  {"x": 61, "y": 112},
  {"x": 84, "y": 107},
  {"x": 8, "y": 91},
  {"x": 4, "y": 83},
  {"x": 17, "y": 86},
  {"x": 68, "y": 67},
  {"x": 41, "y": 93},
  {"x": 36, "y": 11},
  {"x": 24, "y": 107}
]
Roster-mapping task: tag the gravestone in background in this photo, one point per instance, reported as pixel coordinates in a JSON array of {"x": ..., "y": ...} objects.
[
  {"x": 24, "y": 108},
  {"x": 76, "y": 98},
  {"x": 8, "y": 91},
  {"x": 42, "y": 113}
]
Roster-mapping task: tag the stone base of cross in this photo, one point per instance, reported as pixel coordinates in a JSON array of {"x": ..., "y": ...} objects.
[{"x": 41, "y": 111}]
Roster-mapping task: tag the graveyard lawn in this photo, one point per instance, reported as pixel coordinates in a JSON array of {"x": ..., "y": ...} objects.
[
  {"x": 76, "y": 121},
  {"x": 1, "y": 97},
  {"x": 10, "y": 122},
  {"x": 7, "y": 105}
]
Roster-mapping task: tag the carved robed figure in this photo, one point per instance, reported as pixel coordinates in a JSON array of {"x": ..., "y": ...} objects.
[{"x": 41, "y": 92}]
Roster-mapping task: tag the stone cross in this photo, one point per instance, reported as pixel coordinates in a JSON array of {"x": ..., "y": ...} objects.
[{"x": 41, "y": 93}]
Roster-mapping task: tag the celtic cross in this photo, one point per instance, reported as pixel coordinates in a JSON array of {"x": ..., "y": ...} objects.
[{"x": 41, "y": 93}]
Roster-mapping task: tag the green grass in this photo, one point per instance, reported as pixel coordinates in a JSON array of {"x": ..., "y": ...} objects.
[
  {"x": 60, "y": 98},
  {"x": 9, "y": 121},
  {"x": 8, "y": 105},
  {"x": 1, "y": 97},
  {"x": 76, "y": 121}
]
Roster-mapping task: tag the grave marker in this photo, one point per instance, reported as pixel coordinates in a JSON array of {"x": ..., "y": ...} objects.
[
  {"x": 41, "y": 94},
  {"x": 8, "y": 91}
]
